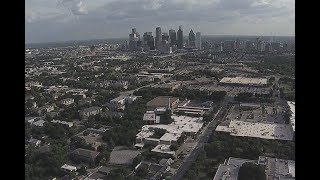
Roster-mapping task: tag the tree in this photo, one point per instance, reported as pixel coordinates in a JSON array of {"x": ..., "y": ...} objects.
[
  {"x": 251, "y": 171},
  {"x": 173, "y": 147},
  {"x": 82, "y": 170},
  {"x": 142, "y": 171}
]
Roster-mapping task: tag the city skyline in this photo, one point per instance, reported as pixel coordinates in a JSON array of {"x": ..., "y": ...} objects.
[{"x": 84, "y": 20}]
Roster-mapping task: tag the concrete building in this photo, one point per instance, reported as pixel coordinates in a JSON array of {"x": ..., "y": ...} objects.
[
  {"x": 90, "y": 111},
  {"x": 150, "y": 117},
  {"x": 244, "y": 81},
  {"x": 198, "y": 41},
  {"x": 167, "y": 102},
  {"x": 68, "y": 124},
  {"x": 173, "y": 37},
  {"x": 275, "y": 169},
  {"x": 158, "y": 40},
  {"x": 180, "y": 38},
  {"x": 192, "y": 39}
]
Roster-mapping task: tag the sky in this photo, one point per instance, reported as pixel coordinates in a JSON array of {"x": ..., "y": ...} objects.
[{"x": 64, "y": 20}]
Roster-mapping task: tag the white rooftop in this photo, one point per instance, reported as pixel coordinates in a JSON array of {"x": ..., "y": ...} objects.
[
  {"x": 292, "y": 106},
  {"x": 170, "y": 137},
  {"x": 258, "y": 129},
  {"x": 244, "y": 80},
  {"x": 291, "y": 167},
  {"x": 163, "y": 148},
  {"x": 69, "y": 167}
]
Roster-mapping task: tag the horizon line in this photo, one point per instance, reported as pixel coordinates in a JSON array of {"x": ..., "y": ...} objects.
[{"x": 65, "y": 41}]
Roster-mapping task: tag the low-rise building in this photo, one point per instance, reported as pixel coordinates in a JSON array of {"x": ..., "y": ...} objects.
[
  {"x": 167, "y": 102},
  {"x": 68, "y": 168},
  {"x": 84, "y": 155},
  {"x": 68, "y": 124},
  {"x": 67, "y": 101},
  {"x": 150, "y": 117},
  {"x": 90, "y": 111}
]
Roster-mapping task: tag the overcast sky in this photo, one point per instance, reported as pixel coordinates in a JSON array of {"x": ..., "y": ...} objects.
[{"x": 63, "y": 20}]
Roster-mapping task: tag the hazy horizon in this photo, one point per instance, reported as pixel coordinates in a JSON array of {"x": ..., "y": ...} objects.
[{"x": 64, "y": 20}]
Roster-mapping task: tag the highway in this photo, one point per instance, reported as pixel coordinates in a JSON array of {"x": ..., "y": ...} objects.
[{"x": 202, "y": 140}]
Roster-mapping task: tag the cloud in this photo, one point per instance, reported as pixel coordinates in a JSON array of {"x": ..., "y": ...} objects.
[
  {"x": 76, "y": 7},
  {"x": 116, "y": 17}
]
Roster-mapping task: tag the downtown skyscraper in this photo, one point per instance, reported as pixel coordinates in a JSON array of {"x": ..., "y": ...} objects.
[
  {"x": 134, "y": 40},
  {"x": 180, "y": 38},
  {"x": 192, "y": 39},
  {"x": 173, "y": 37},
  {"x": 198, "y": 40},
  {"x": 158, "y": 39}
]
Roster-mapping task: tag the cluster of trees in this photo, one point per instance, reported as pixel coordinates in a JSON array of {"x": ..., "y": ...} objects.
[
  {"x": 45, "y": 165},
  {"x": 128, "y": 126},
  {"x": 247, "y": 147},
  {"x": 202, "y": 165},
  {"x": 284, "y": 65},
  {"x": 250, "y": 97},
  {"x": 251, "y": 171},
  {"x": 287, "y": 88}
]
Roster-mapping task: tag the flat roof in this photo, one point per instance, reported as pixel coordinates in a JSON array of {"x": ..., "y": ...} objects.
[
  {"x": 292, "y": 106},
  {"x": 69, "y": 167},
  {"x": 244, "y": 80},
  {"x": 170, "y": 137},
  {"x": 258, "y": 129},
  {"x": 123, "y": 156},
  {"x": 163, "y": 148}
]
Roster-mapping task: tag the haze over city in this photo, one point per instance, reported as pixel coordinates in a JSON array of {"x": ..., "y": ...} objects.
[{"x": 63, "y": 20}]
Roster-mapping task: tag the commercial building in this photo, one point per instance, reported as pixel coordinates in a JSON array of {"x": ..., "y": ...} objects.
[
  {"x": 167, "y": 102},
  {"x": 229, "y": 45},
  {"x": 173, "y": 37},
  {"x": 192, "y": 39},
  {"x": 198, "y": 41},
  {"x": 148, "y": 40},
  {"x": 244, "y": 81},
  {"x": 158, "y": 40},
  {"x": 275, "y": 169},
  {"x": 180, "y": 38},
  {"x": 134, "y": 40}
]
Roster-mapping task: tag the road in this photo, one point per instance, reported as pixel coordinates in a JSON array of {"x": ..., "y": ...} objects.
[
  {"x": 202, "y": 140},
  {"x": 131, "y": 91}
]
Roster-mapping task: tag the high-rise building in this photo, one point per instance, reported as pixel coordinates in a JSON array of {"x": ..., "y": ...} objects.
[
  {"x": 192, "y": 39},
  {"x": 158, "y": 37},
  {"x": 229, "y": 45},
  {"x": 198, "y": 40},
  {"x": 148, "y": 40},
  {"x": 180, "y": 38},
  {"x": 134, "y": 40},
  {"x": 165, "y": 36},
  {"x": 173, "y": 37}
]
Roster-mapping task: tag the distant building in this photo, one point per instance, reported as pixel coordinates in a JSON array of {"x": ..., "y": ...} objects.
[
  {"x": 192, "y": 39},
  {"x": 158, "y": 39},
  {"x": 134, "y": 40},
  {"x": 68, "y": 168},
  {"x": 173, "y": 37},
  {"x": 34, "y": 142},
  {"x": 229, "y": 45},
  {"x": 198, "y": 41},
  {"x": 148, "y": 40},
  {"x": 180, "y": 38}
]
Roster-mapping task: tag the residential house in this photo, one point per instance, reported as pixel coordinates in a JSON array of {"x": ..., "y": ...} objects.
[
  {"x": 84, "y": 155},
  {"x": 34, "y": 142},
  {"x": 67, "y": 101},
  {"x": 90, "y": 111}
]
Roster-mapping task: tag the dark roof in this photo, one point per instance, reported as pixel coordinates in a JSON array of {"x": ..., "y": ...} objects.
[
  {"x": 91, "y": 109},
  {"x": 161, "y": 101},
  {"x": 104, "y": 170},
  {"x": 86, "y": 153},
  {"x": 97, "y": 175}
]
